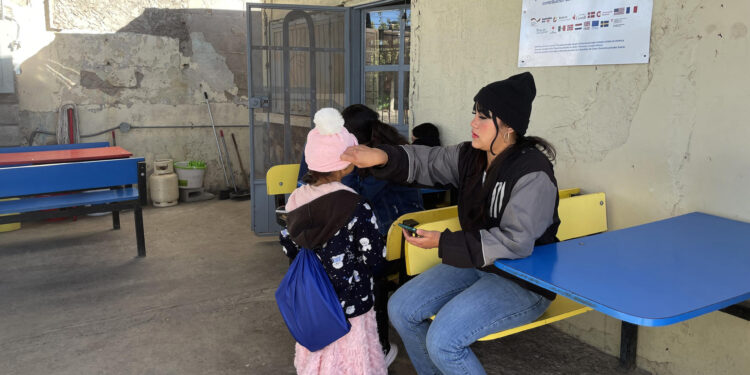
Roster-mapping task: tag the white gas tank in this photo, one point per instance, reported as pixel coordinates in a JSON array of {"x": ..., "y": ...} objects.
[{"x": 162, "y": 184}]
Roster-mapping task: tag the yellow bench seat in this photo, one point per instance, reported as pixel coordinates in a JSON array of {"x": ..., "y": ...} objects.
[{"x": 580, "y": 215}]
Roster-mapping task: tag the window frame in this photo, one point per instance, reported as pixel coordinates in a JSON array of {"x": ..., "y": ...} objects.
[{"x": 401, "y": 125}]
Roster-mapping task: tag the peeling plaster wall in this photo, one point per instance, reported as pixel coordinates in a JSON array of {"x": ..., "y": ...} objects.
[
  {"x": 661, "y": 139},
  {"x": 144, "y": 63}
]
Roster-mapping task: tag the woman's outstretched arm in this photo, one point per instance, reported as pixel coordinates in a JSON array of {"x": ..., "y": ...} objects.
[
  {"x": 365, "y": 157},
  {"x": 428, "y": 166}
]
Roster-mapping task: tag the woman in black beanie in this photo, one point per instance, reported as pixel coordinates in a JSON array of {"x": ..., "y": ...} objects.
[{"x": 507, "y": 204}]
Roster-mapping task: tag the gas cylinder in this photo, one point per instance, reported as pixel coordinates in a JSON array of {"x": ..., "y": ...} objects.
[{"x": 162, "y": 184}]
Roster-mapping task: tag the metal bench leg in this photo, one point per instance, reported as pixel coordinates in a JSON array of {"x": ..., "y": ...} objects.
[
  {"x": 628, "y": 345},
  {"x": 115, "y": 219},
  {"x": 139, "y": 231}
]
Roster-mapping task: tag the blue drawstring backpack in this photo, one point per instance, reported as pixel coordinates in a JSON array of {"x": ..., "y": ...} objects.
[{"x": 309, "y": 304}]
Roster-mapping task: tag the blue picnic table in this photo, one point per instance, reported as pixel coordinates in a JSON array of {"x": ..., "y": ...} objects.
[{"x": 654, "y": 274}]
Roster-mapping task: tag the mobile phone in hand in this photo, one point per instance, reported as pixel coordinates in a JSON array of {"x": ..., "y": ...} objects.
[{"x": 410, "y": 229}]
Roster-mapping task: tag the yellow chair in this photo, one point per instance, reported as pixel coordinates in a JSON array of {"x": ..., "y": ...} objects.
[
  {"x": 579, "y": 216},
  {"x": 282, "y": 179}
]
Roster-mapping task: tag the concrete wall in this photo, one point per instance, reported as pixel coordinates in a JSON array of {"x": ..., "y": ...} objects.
[
  {"x": 661, "y": 139},
  {"x": 143, "y": 63}
]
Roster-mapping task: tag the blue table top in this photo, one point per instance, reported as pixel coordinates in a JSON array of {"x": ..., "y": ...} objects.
[{"x": 654, "y": 274}]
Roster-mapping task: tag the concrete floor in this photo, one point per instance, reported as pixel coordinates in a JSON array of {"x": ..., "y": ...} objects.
[{"x": 75, "y": 300}]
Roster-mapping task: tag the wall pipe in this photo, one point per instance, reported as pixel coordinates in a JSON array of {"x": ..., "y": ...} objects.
[{"x": 128, "y": 127}]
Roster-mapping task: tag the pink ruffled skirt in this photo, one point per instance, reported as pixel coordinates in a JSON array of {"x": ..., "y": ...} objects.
[{"x": 357, "y": 353}]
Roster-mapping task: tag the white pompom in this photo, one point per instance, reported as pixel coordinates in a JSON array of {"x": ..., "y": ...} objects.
[{"x": 328, "y": 121}]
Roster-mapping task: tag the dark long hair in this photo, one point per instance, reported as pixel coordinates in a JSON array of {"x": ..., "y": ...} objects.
[
  {"x": 479, "y": 164},
  {"x": 364, "y": 124},
  {"x": 522, "y": 141},
  {"x": 477, "y": 212},
  {"x": 312, "y": 177}
]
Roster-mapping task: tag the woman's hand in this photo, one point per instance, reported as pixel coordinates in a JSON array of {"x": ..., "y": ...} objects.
[
  {"x": 427, "y": 239},
  {"x": 364, "y": 157}
]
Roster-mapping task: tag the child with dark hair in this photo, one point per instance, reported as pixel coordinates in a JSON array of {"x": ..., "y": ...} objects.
[
  {"x": 364, "y": 123},
  {"x": 426, "y": 134}
]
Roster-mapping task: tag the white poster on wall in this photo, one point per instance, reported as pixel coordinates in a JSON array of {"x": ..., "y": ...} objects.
[{"x": 584, "y": 32}]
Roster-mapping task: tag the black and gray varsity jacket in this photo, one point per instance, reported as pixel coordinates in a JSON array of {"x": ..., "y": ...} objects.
[{"x": 504, "y": 212}]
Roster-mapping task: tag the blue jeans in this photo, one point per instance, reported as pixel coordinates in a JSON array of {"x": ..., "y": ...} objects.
[{"x": 469, "y": 304}]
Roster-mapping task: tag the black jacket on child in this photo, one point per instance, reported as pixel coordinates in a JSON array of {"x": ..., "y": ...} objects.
[{"x": 342, "y": 230}]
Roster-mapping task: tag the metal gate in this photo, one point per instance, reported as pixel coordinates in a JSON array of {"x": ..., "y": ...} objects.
[{"x": 298, "y": 62}]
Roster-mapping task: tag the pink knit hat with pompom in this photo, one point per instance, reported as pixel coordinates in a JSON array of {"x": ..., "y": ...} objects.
[{"x": 327, "y": 141}]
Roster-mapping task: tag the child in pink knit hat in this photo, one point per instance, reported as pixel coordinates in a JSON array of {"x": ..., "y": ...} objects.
[
  {"x": 331, "y": 219},
  {"x": 327, "y": 141}
]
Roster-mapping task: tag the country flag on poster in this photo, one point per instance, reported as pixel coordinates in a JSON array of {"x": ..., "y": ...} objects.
[
  {"x": 635, "y": 9},
  {"x": 594, "y": 23},
  {"x": 587, "y": 24},
  {"x": 592, "y": 14},
  {"x": 604, "y": 24},
  {"x": 578, "y": 26},
  {"x": 627, "y": 10},
  {"x": 619, "y": 11}
]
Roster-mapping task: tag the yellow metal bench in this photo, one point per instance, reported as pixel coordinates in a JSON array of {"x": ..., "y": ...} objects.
[
  {"x": 567, "y": 193},
  {"x": 395, "y": 237},
  {"x": 580, "y": 215}
]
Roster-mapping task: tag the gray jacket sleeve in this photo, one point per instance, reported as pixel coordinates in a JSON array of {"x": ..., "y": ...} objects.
[
  {"x": 528, "y": 214},
  {"x": 433, "y": 165},
  {"x": 420, "y": 164}
]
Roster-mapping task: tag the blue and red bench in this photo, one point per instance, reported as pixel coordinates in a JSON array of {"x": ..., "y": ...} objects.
[{"x": 89, "y": 186}]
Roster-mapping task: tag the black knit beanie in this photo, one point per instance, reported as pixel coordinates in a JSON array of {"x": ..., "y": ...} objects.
[
  {"x": 426, "y": 130},
  {"x": 510, "y": 100}
]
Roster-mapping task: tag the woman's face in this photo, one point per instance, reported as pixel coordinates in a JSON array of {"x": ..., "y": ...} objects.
[{"x": 482, "y": 132}]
